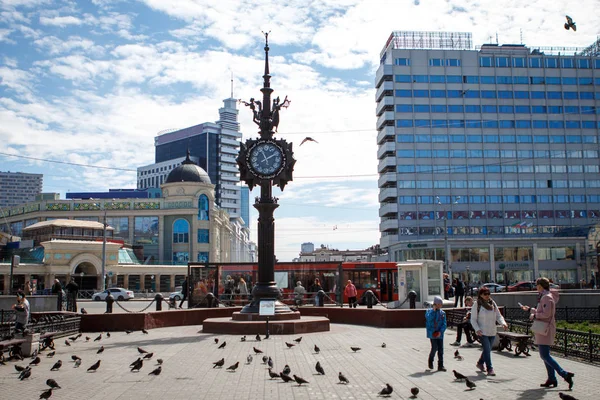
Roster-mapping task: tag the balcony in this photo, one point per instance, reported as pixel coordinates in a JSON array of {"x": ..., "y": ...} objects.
[
  {"x": 229, "y": 168},
  {"x": 388, "y": 225},
  {"x": 387, "y": 147},
  {"x": 385, "y": 71},
  {"x": 386, "y": 134},
  {"x": 388, "y": 240},
  {"x": 387, "y": 209},
  {"x": 389, "y": 179},
  {"x": 387, "y": 164},
  {"x": 386, "y": 87},
  {"x": 387, "y": 102},
  {"x": 229, "y": 150},
  {"x": 388, "y": 194},
  {"x": 386, "y": 119},
  {"x": 230, "y": 142}
]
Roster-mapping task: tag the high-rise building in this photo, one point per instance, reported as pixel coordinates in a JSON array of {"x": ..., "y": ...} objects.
[
  {"x": 213, "y": 146},
  {"x": 19, "y": 187},
  {"x": 488, "y": 157}
]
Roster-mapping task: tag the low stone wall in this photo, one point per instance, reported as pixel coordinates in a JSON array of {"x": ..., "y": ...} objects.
[
  {"x": 36, "y": 303},
  {"x": 569, "y": 298}
]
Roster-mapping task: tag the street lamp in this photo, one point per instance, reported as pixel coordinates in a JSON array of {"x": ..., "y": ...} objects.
[
  {"x": 81, "y": 281},
  {"x": 103, "y": 286},
  {"x": 446, "y": 255}
]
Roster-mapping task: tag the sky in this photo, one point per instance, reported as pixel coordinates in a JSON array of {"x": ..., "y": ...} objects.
[{"x": 93, "y": 82}]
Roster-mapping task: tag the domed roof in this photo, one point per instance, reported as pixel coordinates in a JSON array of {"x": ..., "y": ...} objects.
[{"x": 188, "y": 171}]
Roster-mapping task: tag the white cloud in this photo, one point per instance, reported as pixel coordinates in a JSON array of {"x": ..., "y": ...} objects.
[
  {"x": 60, "y": 21},
  {"x": 53, "y": 45}
]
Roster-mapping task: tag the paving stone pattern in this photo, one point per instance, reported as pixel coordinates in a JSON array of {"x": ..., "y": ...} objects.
[{"x": 188, "y": 371}]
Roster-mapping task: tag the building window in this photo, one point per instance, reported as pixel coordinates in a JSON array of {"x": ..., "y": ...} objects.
[
  {"x": 489, "y": 80},
  {"x": 203, "y": 236},
  {"x": 452, "y": 62},
  {"x": 181, "y": 257},
  {"x": 455, "y": 78},
  {"x": 569, "y": 81},
  {"x": 502, "y": 62},
  {"x": 404, "y": 123},
  {"x": 408, "y": 108},
  {"x": 402, "y": 78},
  {"x": 520, "y": 80},
  {"x": 519, "y": 62},
  {"x": 485, "y": 61},
  {"x": 402, "y": 61},
  {"x": 437, "y": 78},
  {"x": 586, "y": 95},
  {"x": 403, "y": 93},
  {"x": 551, "y": 62},
  {"x": 203, "y": 209},
  {"x": 181, "y": 229},
  {"x": 535, "y": 63},
  {"x": 567, "y": 63},
  {"x": 421, "y": 108},
  {"x": 436, "y": 62},
  {"x": 203, "y": 256},
  {"x": 420, "y": 93}
]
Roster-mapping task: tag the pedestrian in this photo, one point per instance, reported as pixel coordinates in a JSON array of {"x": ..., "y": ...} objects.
[
  {"x": 315, "y": 289},
  {"x": 447, "y": 287},
  {"x": 459, "y": 292},
  {"x": 350, "y": 292},
  {"x": 72, "y": 291},
  {"x": 22, "y": 312},
  {"x": 465, "y": 325},
  {"x": 57, "y": 290},
  {"x": 299, "y": 293},
  {"x": 484, "y": 315},
  {"x": 185, "y": 288},
  {"x": 229, "y": 286},
  {"x": 28, "y": 289},
  {"x": 593, "y": 283},
  {"x": 544, "y": 312},
  {"x": 435, "y": 323},
  {"x": 242, "y": 289}
]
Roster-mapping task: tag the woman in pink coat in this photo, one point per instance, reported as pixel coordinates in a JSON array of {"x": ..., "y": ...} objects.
[
  {"x": 350, "y": 292},
  {"x": 544, "y": 312}
]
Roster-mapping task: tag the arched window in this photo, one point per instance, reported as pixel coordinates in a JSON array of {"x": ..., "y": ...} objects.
[
  {"x": 203, "y": 208},
  {"x": 181, "y": 231}
]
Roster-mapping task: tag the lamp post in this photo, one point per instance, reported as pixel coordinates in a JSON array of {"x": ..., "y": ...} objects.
[
  {"x": 446, "y": 255},
  {"x": 103, "y": 285},
  {"x": 469, "y": 280},
  {"x": 81, "y": 281}
]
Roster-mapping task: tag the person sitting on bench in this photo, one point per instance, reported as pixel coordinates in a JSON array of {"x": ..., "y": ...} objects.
[{"x": 465, "y": 325}]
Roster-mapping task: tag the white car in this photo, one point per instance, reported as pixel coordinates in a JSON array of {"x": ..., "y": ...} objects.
[
  {"x": 118, "y": 293},
  {"x": 176, "y": 295},
  {"x": 494, "y": 287}
]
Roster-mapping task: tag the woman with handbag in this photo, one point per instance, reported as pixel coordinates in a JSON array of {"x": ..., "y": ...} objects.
[{"x": 544, "y": 328}]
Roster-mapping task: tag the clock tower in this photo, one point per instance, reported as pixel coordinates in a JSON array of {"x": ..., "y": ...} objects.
[{"x": 265, "y": 162}]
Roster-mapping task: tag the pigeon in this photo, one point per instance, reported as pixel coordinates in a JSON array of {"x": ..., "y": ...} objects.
[
  {"x": 107, "y": 334},
  {"x": 456, "y": 354},
  {"x": 286, "y": 370},
  {"x": 19, "y": 368},
  {"x": 233, "y": 367},
  {"x": 46, "y": 394},
  {"x": 36, "y": 361},
  {"x": 222, "y": 346},
  {"x": 270, "y": 362},
  {"x": 157, "y": 371},
  {"x": 100, "y": 350},
  {"x": 52, "y": 383},
  {"x": 258, "y": 337},
  {"x": 299, "y": 380},
  {"x": 73, "y": 338},
  {"x": 216, "y": 340},
  {"x": 570, "y": 24},
  {"x": 83, "y": 311},
  {"x": 298, "y": 340},
  {"x": 343, "y": 379},
  {"x": 257, "y": 351},
  {"x": 159, "y": 361},
  {"x": 94, "y": 367},
  {"x": 565, "y": 396},
  {"x": 137, "y": 366},
  {"x": 145, "y": 332},
  {"x": 471, "y": 385},
  {"x": 148, "y": 356},
  {"x": 414, "y": 391},
  {"x": 249, "y": 359},
  {"x": 355, "y": 349},
  {"x": 289, "y": 345},
  {"x": 286, "y": 378},
  {"x": 219, "y": 363},
  {"x": 56, "y": 366},
  {"x": 67, "y": 343},
  {"x": 458, "y": 375},
  {"x": 25, "y": 374},
  {"x": 99, "y": 338},
  {"x": 387, "y": 390},
  {"x": 135, "y": 362},
  {"x": 141, "y": 351},
  {"x": 319, "y": 368},
  {"x": 87, "y": 338},
  {"x": 75, "y": 357},
  {"x": 272, "y": 374},
  {"x": 77, "y": 364},
  {"x": 265, "y": 359},
  {"x": 383, "y": 345},
  {"x": 51, "y": 354},
  {"x": 243, "y": 338},
  {"x": 317, "y": 349},
  {"x": 307, "y": 139},
  {"x": 128, "y": 331}
]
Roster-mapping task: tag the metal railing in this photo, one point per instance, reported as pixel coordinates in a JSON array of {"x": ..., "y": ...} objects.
[{"x": 569, "y": 314}]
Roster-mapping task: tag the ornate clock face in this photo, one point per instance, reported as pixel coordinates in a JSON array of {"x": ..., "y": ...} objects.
[{"x": 266, "y": 159}]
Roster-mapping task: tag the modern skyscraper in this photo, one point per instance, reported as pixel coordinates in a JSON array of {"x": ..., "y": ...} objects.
[
  {"x": 488, "y": 157},
  {"x": 19, "y": 187},
  {"x": 213, "y": 146}
]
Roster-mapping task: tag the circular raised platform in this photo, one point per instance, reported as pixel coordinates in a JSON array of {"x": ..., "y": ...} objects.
[
  {"x": 278, "y": 327},
  {"x": 239, "y": 316}
]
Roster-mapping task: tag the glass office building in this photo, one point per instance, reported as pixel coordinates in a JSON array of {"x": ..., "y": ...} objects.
[{"x": 488, "y": 157}]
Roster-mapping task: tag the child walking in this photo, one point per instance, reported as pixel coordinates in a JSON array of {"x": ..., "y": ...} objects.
[{"x": 435, "y": 322}]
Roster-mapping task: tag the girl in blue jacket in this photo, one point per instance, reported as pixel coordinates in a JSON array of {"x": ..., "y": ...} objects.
[{"x": 435, "y": 322}]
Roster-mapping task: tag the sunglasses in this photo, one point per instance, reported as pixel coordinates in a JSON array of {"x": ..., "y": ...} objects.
[{"x": 485, "y": 294}]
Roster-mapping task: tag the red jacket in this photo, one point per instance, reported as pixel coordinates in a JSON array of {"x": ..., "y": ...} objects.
[{"x": 350, "y": 290}]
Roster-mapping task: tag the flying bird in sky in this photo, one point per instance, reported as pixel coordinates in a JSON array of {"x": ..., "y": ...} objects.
[
  {"x": 570, "y": 24},
  {"x": 307, "y": 139}
]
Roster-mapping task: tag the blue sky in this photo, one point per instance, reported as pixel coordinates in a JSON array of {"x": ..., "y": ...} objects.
[{"x": 93, "y": 82}]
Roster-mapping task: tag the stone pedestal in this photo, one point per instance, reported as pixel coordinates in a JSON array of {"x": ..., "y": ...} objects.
[
  {"x": 251, "y": 324},
  {"x": 31, "y": 344}
]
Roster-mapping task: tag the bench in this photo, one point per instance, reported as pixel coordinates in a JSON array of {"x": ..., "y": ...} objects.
[
  {"x": 521, "y": 342},
  {"x": 455, "y": 316},
  {"x": 12, "y": 346}
]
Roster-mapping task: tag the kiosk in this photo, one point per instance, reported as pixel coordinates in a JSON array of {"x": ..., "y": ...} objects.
[{"x": 424, "y": 277}]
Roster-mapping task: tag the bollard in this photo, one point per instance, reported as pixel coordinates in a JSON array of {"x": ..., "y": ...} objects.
[
  {"x": 412, "y": 299},
  {"x": 267, "y": 336},
  {"x": 369, "y": 294},
  {"x": 109, "y": 303},
  {"x": 210, "y": 300},
  {"x": 320, "y": 298},
  {"x": 159, "y": 300}
]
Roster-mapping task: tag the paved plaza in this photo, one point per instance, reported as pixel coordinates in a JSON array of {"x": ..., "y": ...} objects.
[{"x": 188, "y": 373}]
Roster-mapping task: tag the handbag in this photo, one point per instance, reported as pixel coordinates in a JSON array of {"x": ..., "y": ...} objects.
[{"x": 540, "y": 327}]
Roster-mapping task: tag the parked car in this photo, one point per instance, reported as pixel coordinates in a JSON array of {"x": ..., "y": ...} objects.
[
  {"x": 522, "y": 286},
  {"x": 177, "y": 296},
  {"x": 118, "y": 293},
  {"x": 494, "y": 287}
]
